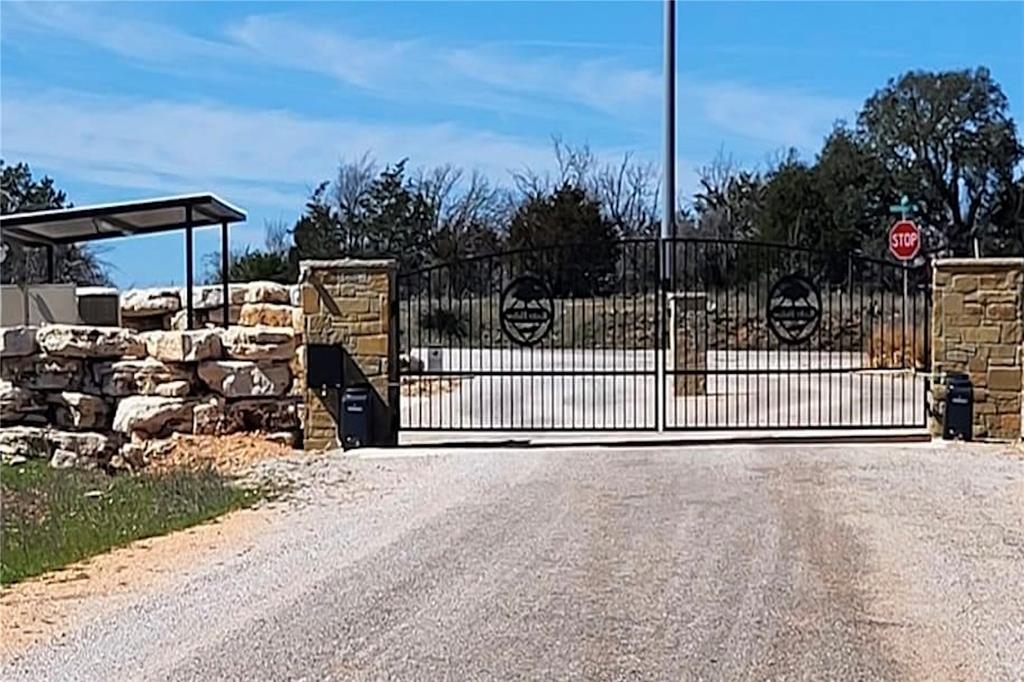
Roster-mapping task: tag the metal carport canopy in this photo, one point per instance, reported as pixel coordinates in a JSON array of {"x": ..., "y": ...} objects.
[{"x": 125, "y": 219}]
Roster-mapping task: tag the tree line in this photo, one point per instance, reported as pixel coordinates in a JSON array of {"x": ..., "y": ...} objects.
[{"x": 944, "y": 139}]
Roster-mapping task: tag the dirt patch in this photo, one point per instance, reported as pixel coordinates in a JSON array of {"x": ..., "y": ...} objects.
[
  {"x": 230, "y": 454},
  {"x": 41, "y": 608}
]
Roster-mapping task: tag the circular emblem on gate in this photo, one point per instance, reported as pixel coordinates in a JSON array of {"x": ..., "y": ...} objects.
[
  {"x": 794, "y": 309},
  {"x": 526, "y": 310}
]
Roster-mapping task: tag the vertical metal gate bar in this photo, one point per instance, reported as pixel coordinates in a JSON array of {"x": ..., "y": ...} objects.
[{"x": 660, "y": 401}]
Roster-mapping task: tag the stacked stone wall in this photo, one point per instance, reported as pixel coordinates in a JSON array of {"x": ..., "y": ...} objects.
[
  {"x": 978, "y": 328},
  {"x": 94, "y": 396}
]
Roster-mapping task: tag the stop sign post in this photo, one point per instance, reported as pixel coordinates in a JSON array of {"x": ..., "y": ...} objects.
[
  {"x": 904, "y": 243},
  {"x": 904, "y": 240}
]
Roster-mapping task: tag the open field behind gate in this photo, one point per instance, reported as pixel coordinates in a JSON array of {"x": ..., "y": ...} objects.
[
  {"x": 871, "y": 322},
  {"x": 506, "y": 389}
]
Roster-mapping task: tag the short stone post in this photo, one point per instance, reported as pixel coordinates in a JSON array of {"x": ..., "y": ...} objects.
[
  {"x": 348, "y": 303},
  {"x": 688, "y": 312},
  {"x": 977, "y": 319}
]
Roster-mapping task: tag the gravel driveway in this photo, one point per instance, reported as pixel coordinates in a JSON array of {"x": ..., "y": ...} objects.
[{"x": 738, "y": 562}]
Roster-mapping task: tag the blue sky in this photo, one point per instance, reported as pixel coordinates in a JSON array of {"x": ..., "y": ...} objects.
[{"x": 259, "y": 101}]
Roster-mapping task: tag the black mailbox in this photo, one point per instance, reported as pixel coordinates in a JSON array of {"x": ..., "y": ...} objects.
[
  {"x": 356, "y": 417},
  {"x": 959, "y": 417},
  {"x": 324, "y": 366}
]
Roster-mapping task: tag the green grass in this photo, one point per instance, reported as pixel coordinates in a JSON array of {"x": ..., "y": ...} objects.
[{"x": 51, "y": 518}]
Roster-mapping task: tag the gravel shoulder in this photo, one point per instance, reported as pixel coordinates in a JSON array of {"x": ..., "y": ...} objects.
[{"x": 781, "y": 562}]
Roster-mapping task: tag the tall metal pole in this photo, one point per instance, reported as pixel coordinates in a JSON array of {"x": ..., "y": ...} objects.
[{"x": 668, "y": 220}]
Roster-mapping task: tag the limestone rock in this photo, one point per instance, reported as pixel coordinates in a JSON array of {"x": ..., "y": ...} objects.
[
  {"x": 266, "y": 292},
  {"x": 289, "y": 439},
  {"x": 266, "y": 415},
  {"x": 297, "y": 365},
  {"x": 182, "y": 346},
  {"x": 243, "y": 379},
  {"x": 268, "y": 314},
  {"x": 215, "y": 317},
  {"x": 143, "y": 377},
  {"x": 23, "y": 441},
  {"x": 204, "y": 319},
  {"x": 149, "y": 302},
  {"x": 63, "y": 459},
  {"x": 212, "y": 296},
  {"x": 17, "y": 402},
  {"x": 217, "y": 417},
  {"x": 178, "y": 389},
  {"x": 85, "y": 444},
  {"x": 80, "y": 341},
  {"x": 79, "y": 410},
  {"x": 44, "y": 372},
  {"x": 153, "y": 416},
  {"x": 134, "y": 455},
  {"x": 17, "y": 341},
  {"x": 208, "y": 416},
  {"x": 258, "y": 343}
]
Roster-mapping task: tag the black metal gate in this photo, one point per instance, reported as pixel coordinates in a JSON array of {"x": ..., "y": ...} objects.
[
  {"x": 645, "y": 334},
  {"x": 553, "y": 338},
  {"x": 769, "y": 336}
]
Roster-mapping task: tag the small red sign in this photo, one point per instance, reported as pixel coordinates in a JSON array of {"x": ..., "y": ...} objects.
[{"x": 904, "y": 240}]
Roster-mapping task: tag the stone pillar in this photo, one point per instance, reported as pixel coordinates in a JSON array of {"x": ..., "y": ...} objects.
[
  {"x": 689, "y": 317},
  {"x": 977, "y": 318},
  {"x": 348, "y": 303}
]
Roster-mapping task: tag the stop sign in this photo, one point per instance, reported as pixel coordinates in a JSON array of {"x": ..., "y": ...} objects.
[{"x": 904, "y": 240}]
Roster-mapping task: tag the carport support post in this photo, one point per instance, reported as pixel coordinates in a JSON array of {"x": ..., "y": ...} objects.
[
  {"x": 51, "y": 258},
  {"x": 188, "y": 267},
  {"x": 225, "y": 269}
]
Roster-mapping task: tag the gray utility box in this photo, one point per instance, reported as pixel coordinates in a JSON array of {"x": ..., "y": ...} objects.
[
  {"x": 357, "y": 417},
  {"x": 958, "y": 421}
]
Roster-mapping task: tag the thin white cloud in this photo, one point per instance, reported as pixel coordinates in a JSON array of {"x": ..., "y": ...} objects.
[
  {"x": 475, "y": 76},
  {"x": 363, "y": 62},
  {"x": 278, "y": 155},
  {"x": 777, "y": 117}
]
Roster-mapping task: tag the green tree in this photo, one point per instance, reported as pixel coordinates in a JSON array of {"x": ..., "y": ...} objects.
[
  {"x": 729, "y": 201},
  {"x": 21, "y": 193},
  {"x": 793, "y": 211},
  {"x": 856, "y": 191},
  {"x": 568, "y": 239},
  {"x": 316, "y": 233},
  {"x": 272, "y": 262},
  {"x": 1008, "y": 221},
  {"x": 946, "y": 139},
  {"x": 384, "y": 218}
]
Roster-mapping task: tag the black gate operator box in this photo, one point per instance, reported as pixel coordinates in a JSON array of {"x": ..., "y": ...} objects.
[
  {"x": 959, "y": 417},
  {"x": 324, "y": 366}
]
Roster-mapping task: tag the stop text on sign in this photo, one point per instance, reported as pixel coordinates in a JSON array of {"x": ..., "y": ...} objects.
[{"x": 904, "y": 240}]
